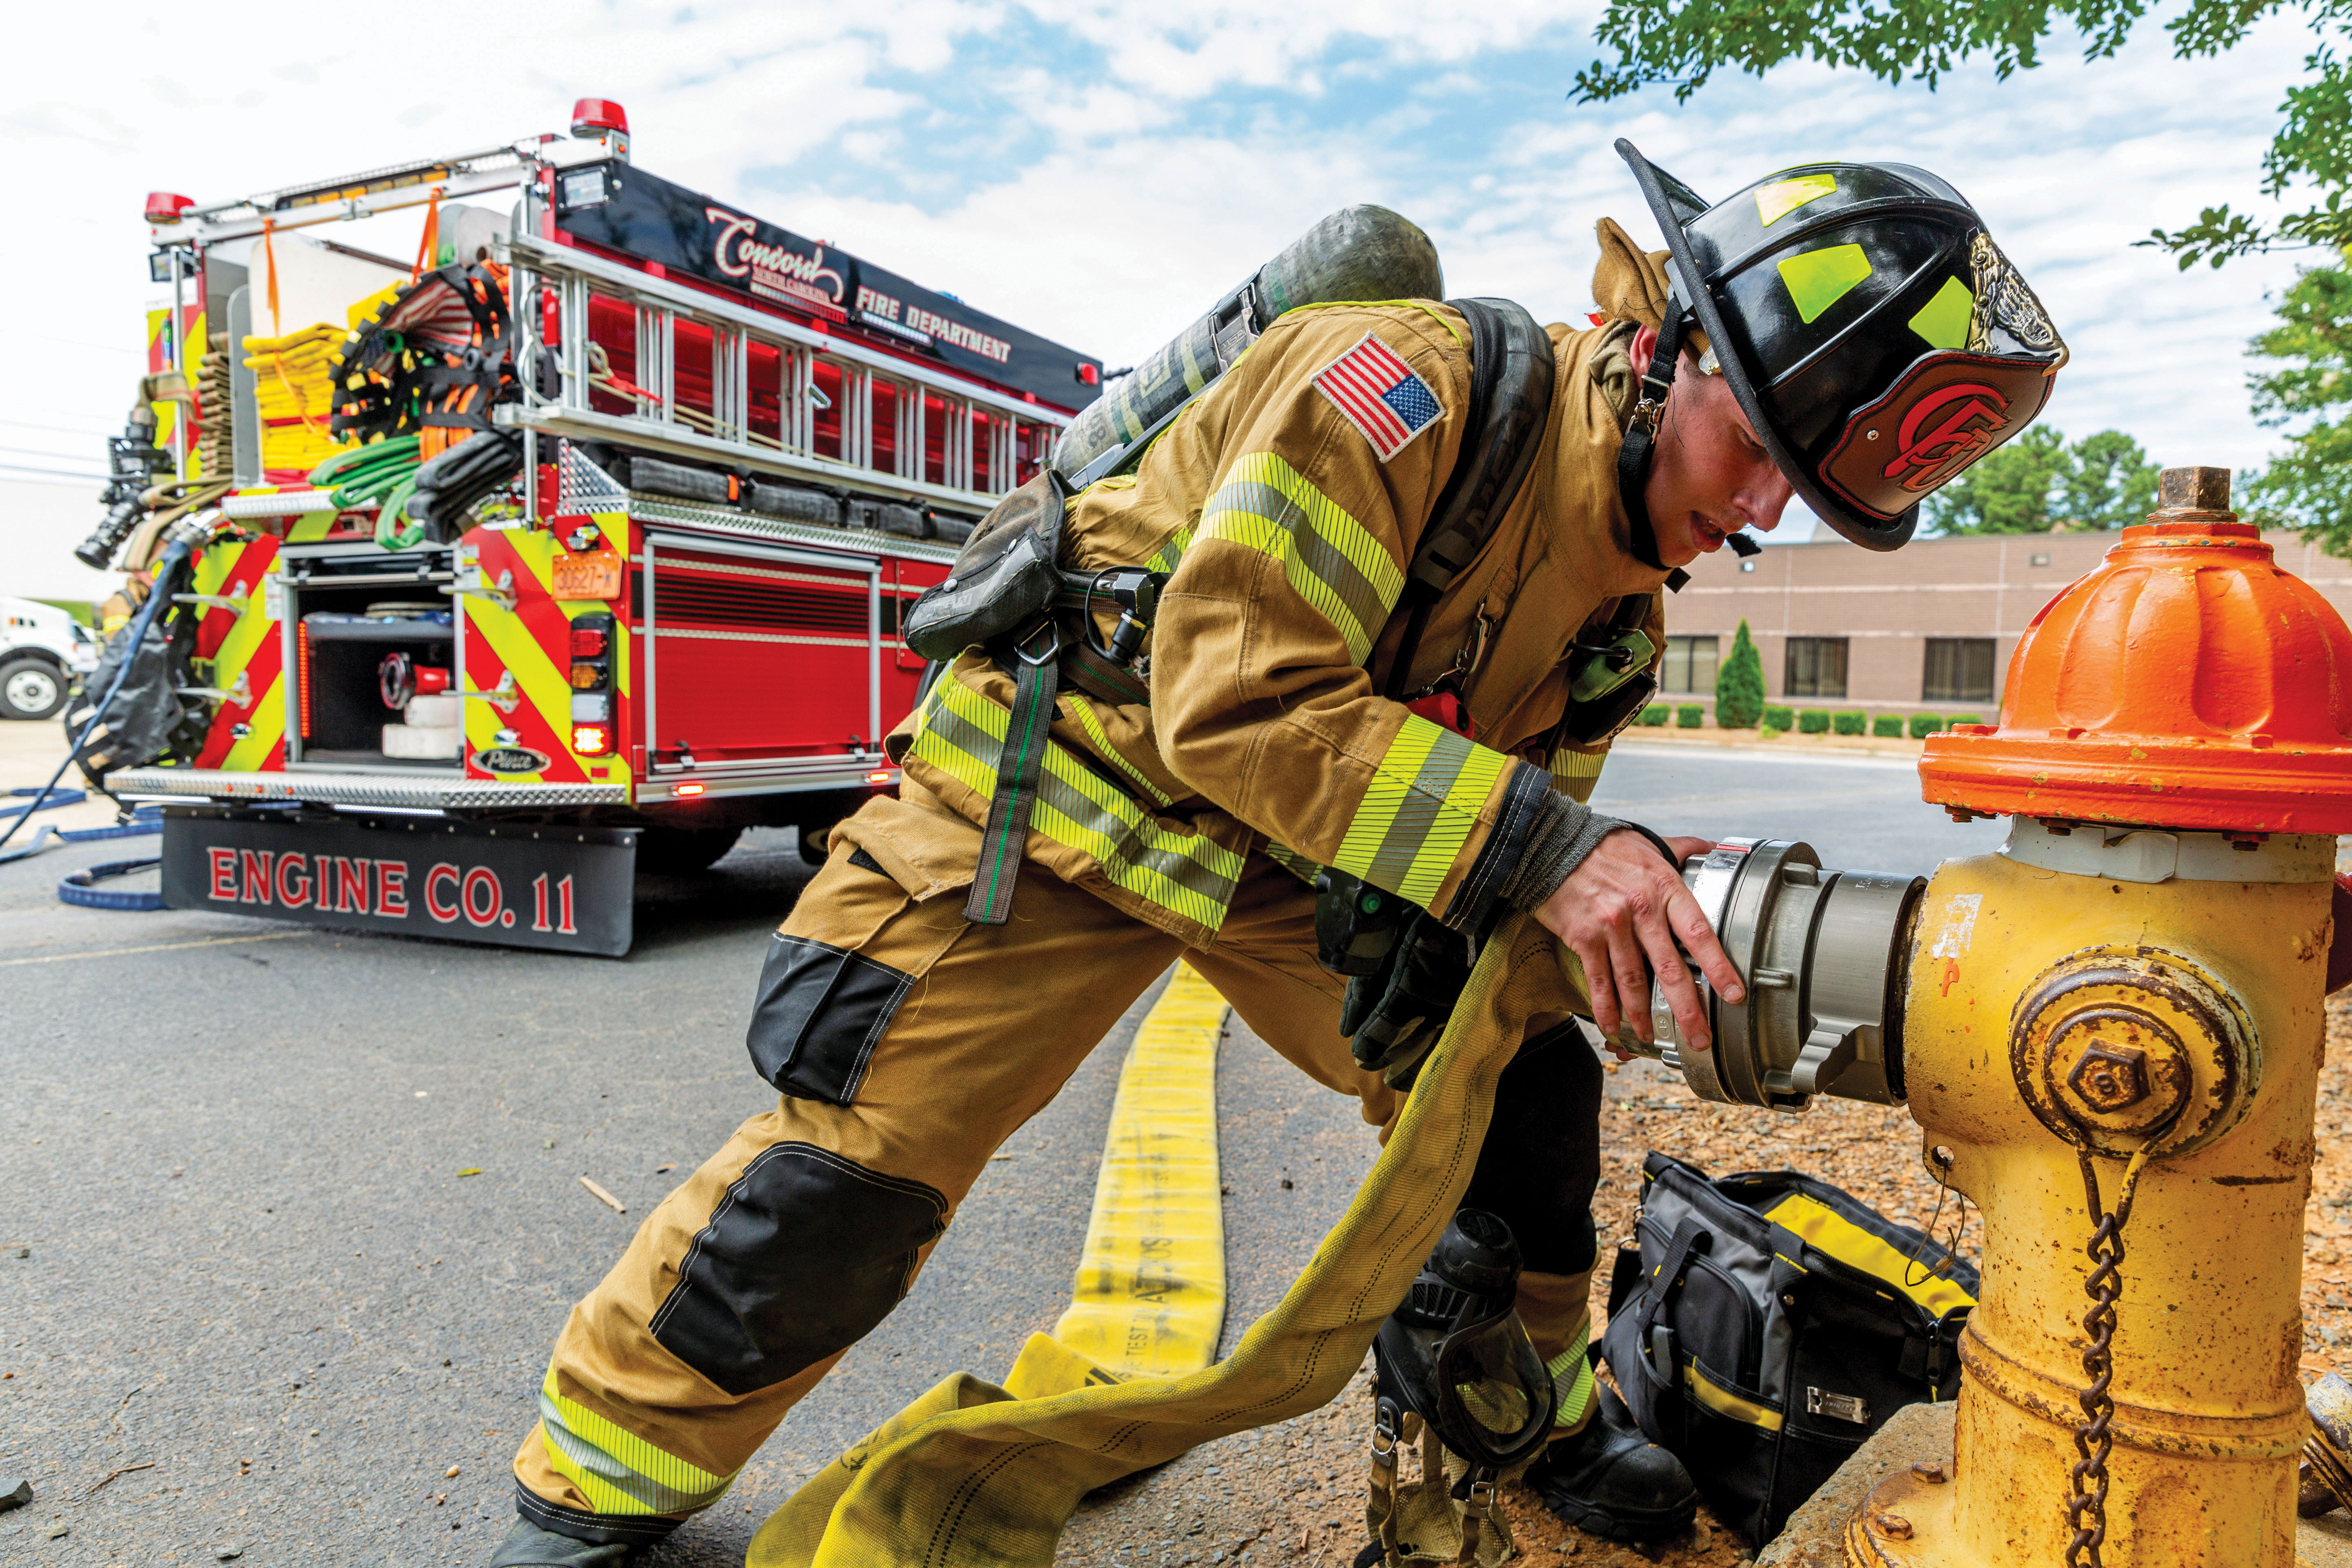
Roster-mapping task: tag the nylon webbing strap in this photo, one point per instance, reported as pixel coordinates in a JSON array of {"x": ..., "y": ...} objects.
[
  {"x": 1637, "y": 451},
  {"x": 1510, "y": 405},
  {"x": 1004, "y": 840}
]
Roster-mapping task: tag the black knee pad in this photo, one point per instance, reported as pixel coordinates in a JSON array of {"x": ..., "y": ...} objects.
[
  {"x": 1541, "y": 1159},
  {"x": 803, "y": 1255}
]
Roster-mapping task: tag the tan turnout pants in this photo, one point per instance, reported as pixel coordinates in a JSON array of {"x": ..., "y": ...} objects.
[{"x": 909, "y": 1044}]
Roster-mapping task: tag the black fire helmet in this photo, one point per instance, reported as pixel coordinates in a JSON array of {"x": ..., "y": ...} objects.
[{"x": 1874, "y": 334}]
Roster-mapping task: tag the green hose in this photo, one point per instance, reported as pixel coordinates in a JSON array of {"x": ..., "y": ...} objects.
[{"x": 366, "y": 475}]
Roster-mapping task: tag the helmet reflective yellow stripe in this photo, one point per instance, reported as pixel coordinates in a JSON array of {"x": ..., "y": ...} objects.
[
  {"x": 1820, "y": 279},
  {"x": 1944, "y": 321},
  {"x": 1778, "y": 199}
]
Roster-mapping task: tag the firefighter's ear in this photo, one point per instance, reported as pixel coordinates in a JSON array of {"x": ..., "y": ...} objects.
[{"x": 1630, "y": 283}]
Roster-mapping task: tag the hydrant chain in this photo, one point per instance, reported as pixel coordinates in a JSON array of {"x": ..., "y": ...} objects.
[{"x": 2086, "y": 1499}]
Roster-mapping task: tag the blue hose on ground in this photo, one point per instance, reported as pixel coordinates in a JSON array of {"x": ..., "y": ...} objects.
[
  {"x": 178, "y": 550},
  {"x": 146, "y": 820},
  {"x": 48, "y": 801},
  {"x": 76, "y": 886}
]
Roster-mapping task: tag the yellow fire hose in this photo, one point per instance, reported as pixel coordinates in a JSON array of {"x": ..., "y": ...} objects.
[{"x": 973, "y": 1474}]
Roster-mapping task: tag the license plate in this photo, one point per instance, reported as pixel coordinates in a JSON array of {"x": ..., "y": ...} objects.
[
  {"x": 590, "y": 574},
  {"x": 563, "y": 888}
]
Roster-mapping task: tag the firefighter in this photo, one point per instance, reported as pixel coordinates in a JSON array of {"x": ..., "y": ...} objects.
[{"x": 1843, "y": 332}]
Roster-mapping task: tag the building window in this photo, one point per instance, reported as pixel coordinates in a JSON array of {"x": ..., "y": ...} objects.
[
  {"x": 1815, "y": 667},
  {"x": 1959, "y": 669},
  {"x": 1689, "y": 666}
]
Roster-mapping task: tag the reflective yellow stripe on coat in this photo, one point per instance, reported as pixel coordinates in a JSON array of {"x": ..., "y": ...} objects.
[
  {"x": 960, "y": 733},
  {"x": 1328, "y": 558},
  {"x": 1575, "y": 774},
  {"x": 1419, "y": 810}
]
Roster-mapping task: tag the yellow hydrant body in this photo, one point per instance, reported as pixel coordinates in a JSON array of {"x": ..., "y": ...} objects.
[
  {"x": 2119, "y": 1018},
  {"x": 2209, "y": 1412}
]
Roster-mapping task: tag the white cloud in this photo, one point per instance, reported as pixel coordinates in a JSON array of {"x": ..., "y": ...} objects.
[{"x": 1100, "y": 173}]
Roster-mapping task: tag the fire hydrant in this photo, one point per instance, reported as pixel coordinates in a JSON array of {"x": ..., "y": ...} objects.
[{"x": 2111, "y": 1036}]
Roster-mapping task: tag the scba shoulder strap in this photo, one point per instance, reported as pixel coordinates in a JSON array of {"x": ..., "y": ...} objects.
[{"x": 1511, "y": 377}]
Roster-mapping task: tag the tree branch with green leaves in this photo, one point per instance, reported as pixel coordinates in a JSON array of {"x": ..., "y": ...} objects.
[{"x": 1682, "y": 43}]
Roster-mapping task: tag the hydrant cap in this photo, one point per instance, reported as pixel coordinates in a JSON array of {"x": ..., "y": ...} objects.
[{"x": 2189, "y": 682}]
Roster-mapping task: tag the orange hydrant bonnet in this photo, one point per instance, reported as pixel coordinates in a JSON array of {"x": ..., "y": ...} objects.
[{"x": 2189, "y": 682}]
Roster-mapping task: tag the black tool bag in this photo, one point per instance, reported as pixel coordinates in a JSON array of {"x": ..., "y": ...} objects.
[{"x": 1769, "y": 1324}]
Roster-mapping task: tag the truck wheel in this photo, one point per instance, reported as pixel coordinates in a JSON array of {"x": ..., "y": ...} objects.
[
  {"x": 680, "y": 851},
  {"x": 30, "y": 689}
]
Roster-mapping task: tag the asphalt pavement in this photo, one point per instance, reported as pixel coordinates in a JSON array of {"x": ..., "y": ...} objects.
[{"x": 250, "y": 1300}]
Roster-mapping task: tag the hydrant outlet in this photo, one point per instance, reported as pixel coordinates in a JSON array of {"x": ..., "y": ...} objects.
[{"x": 2114, "y": 1047}]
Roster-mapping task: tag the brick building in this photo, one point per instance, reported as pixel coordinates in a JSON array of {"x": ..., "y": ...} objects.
[{"x": 1928, "y": 629}]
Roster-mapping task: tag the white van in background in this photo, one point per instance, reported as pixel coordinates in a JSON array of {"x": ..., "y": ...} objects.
[{"x": 41, "y": 649}]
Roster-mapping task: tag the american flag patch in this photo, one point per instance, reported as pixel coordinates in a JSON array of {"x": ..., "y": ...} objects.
[{"x": 1380, "y": 394}]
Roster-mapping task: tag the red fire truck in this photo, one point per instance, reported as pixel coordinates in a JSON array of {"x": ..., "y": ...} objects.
[{"x": 744, "y": 451}]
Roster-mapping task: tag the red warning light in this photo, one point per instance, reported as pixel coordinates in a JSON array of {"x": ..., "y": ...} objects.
[{"x": 594, "y": 116}]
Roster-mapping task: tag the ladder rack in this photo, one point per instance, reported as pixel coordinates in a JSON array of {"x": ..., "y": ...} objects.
[{"x": 987, "y": 441}]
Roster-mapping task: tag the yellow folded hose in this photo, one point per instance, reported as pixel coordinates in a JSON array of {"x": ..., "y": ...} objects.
[
  {"x": 1150, "y": 1296},
  {"x": 294, "y": 393}
]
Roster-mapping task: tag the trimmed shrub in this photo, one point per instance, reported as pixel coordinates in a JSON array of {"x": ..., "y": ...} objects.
[
  {"x": 1689, "y": 716},
  {"x": 1925, "y": 724},
  {"x": 1781, "y": 719},
  {"x": 1769, "y": 733},
  {"x": 1739, "y": 685},
  {"x": 1956, "y": 720},
  {"x": 1813, "y": 722},
  {"x": 1851, "y": 723},
  {"x": 1655, "y": 714},
  {"x": 1887, "y": 726}
]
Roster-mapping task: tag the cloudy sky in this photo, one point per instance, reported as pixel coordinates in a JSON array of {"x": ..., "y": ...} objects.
[{"x": 1100, "y": 173}]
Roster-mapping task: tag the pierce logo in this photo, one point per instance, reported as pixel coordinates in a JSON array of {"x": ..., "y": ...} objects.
[
  {"x": 777, "y": 271},
  {"x": 511, "y": 760},
  {"x": 1945, "y": 432}
]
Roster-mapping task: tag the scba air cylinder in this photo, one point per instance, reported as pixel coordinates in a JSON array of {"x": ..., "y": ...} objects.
[{"x": 1357, "y": 253}]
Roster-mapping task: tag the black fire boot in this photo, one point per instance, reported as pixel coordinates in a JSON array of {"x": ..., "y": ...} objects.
[
  {"x": 528, "y": 1546},
  {"x": 1609, "y": 1481}
]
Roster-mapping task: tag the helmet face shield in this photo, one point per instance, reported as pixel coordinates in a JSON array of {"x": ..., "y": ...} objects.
[{"x": 1842, "y": 299}]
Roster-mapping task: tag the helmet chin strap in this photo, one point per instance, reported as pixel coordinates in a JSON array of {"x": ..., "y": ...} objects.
[{"x": 1639, "y": 448}]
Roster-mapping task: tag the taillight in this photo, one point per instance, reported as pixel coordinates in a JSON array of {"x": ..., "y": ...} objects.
[
  {"x": 587, "y": 642},
  {"x": 592, "y": 740}
]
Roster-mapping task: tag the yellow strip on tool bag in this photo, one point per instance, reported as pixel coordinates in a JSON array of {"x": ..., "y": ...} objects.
[
  {"x": 1150, "y": 1296},
  {"x": 969, "y": 1475}
]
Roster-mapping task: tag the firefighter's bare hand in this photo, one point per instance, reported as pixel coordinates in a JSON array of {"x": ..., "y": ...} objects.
[{"x": 1625, "y": 913}]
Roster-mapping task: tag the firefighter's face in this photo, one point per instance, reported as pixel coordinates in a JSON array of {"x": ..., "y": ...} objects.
[{"x": 1711, "y": 476}]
